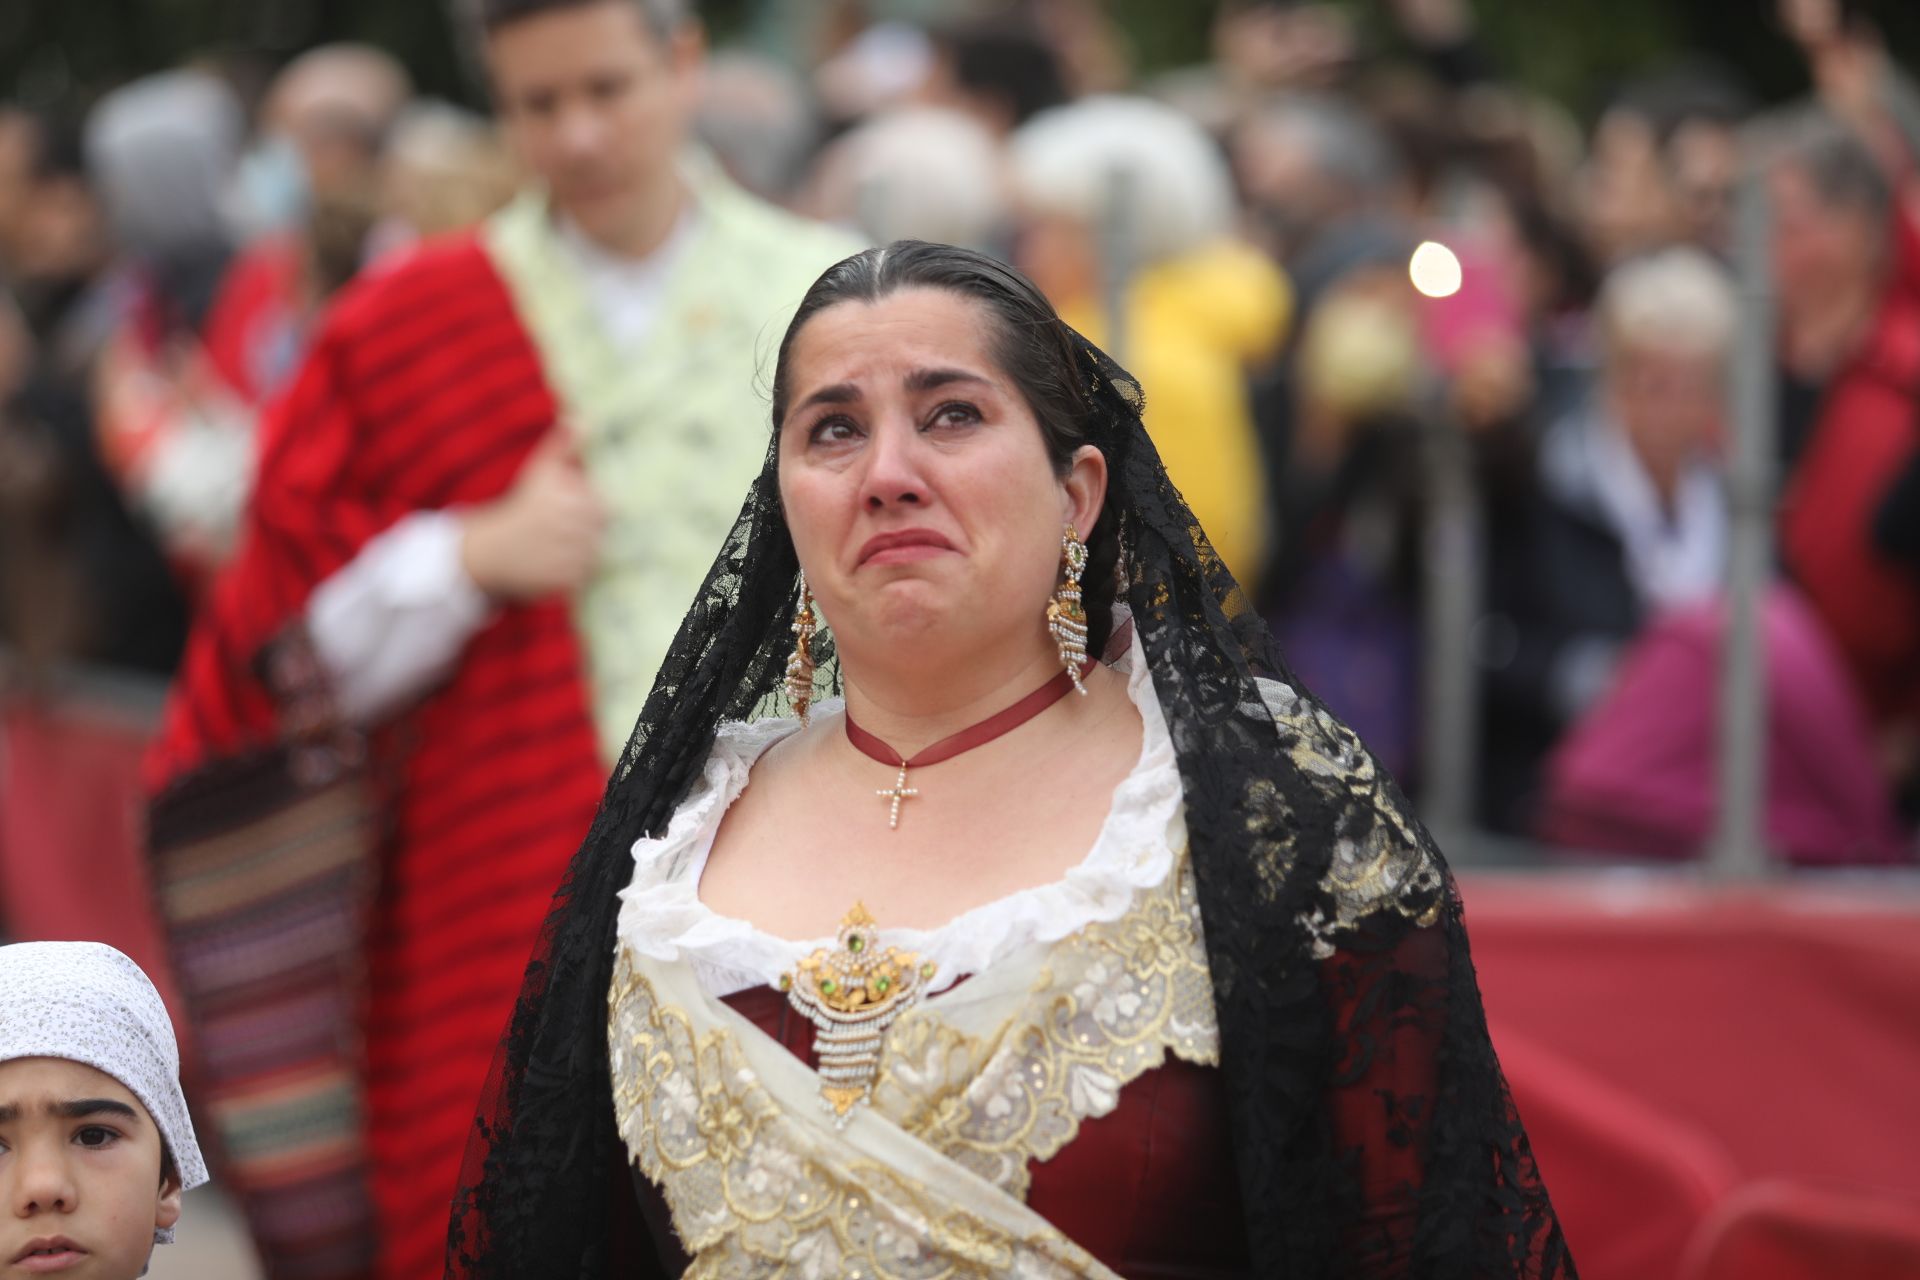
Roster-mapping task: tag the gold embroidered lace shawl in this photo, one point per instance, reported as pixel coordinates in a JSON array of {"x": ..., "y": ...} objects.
[{"x": 977, "y": 1084}]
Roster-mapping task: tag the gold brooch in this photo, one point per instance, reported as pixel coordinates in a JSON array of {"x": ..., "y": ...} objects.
[{"x": 852, "y": 992}]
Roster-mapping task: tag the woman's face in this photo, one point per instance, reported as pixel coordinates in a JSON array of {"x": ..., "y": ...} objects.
[{"x": 916, "y": 483}]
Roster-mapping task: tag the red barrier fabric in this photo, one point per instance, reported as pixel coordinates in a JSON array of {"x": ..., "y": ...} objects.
[
  {"x": 1632, "y": 1184},
  {"x": 1781, "y": 1022},
  {"x": 1786, "y": 1230},
  {"x": 70, "y": 806}
]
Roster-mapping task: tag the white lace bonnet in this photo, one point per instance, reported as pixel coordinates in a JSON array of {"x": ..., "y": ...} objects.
[{"x": 88, "y": 1003}]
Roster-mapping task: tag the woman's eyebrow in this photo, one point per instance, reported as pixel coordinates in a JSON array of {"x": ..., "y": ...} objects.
[
  {"x": 928, "y": 379},
  {"x": 838, "y": 393},
  {"x": 918, "y": 380}
]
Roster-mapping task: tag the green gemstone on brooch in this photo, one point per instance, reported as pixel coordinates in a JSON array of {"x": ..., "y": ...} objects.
[
  {"x": 856, "y": 944},
  {"x": 881, "y": 984},
  {"x": 926, "y": 970},
  {"x": 828, "y": 986},
  {"x": 786, "y": 982}
]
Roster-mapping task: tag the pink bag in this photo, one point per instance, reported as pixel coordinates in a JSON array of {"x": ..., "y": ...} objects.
[{"x": 1637, "y": 773}]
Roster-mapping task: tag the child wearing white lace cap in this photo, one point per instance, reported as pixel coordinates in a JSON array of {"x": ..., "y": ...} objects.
[{"x": 96, "y": 1146}]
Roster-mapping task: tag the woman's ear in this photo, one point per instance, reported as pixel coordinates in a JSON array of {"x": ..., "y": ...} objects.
[{"x": 1086, "y": 488}]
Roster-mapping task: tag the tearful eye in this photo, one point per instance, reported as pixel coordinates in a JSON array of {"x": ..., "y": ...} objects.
[
  {"x": 956, "y": 414},
  {"x": 832, "y": 430}
]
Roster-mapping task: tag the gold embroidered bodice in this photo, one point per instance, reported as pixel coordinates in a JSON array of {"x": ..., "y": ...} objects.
[{"x": 976, "y": 1085}]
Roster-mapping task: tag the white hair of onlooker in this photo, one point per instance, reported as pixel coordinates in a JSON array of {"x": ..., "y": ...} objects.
[
  {"x": 920, "y": 173},
  {"x": 755, "y": 115},
  {"x": 1078, "y": 159},
  {"x": 1678, "y": 300},
  {"x": 884, "y": 65}
]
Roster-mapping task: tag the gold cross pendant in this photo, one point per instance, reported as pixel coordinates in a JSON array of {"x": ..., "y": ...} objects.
[{"x": 898, "y": 792}]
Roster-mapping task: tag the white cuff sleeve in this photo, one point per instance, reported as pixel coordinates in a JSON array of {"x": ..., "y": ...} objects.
[{"x": 392, "y": 623}]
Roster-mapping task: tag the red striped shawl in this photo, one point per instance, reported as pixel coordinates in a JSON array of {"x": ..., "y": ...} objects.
[{"x": 422, "y": 390}]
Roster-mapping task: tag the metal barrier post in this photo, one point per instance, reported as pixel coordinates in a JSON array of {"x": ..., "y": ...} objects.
[
  {"x": 1118, "y": 254},
  {"x": 1452, "y": 590},
  {"x": 1739, "y": 846}
]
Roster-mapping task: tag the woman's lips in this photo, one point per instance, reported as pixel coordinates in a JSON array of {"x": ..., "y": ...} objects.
[{"x": 903, "y": 546}]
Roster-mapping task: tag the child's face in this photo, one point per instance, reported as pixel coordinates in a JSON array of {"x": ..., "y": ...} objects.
[{"x": 80, "y": 1189}]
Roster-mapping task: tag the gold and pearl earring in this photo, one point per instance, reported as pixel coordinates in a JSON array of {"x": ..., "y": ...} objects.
[{"x": 1066, "y": 615}]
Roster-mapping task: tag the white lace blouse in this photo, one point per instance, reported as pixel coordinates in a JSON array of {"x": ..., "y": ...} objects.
[{"x": 662, "y": 917}]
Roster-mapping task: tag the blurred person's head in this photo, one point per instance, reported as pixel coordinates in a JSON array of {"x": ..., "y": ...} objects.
[
  {"x": 50, "y": 222},
  {"x": 1630, "y": 205},
  {"x": 1283, "y": 44},
  {"x": 1359, "y": 357},
  {"x": 754, "y": 114},
  {"x": 1421, "y": 118},
  {"x": 1087, "y": 40},
  {"x": 96, "y": 1145},
  {"x": 1307, "y": 163},
  {"x": 444, "y": 169},
  {"x": 1001, "y": 73},
  {"x": 597, "y": 97},
  {"x": 1831, "y": 212},
  {"x": 1556, "y": 275},
  {"x": 1667, "y": 323},
  {"x": 883, "y": 65},
  {"x": 162, "y": 150},
  {"x": 918, "y": 173},
  {"x": 1529, "y": 147},
  {"x": 1357, "y": 362},
  {"x": 1663, "y": 163},
  {"x": 315, "y": 164},
  {"x": 336, "y": 104},
  {"x": 1114, "y": 169},
  {"x": 322, "y": 126}
]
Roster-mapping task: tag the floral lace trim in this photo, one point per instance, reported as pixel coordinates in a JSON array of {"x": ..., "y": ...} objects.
[
  {"x": 1114, "y": 1000},
  {"x": 752, "y": 1197},
  {"x": 1379, "y": 861}
]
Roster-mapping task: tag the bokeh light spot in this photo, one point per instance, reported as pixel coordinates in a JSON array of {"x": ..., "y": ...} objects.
[{"x": 1435, "y": 270}]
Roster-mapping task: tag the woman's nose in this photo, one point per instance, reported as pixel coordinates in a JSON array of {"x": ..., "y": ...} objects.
[{"x": 893, "y": 475}]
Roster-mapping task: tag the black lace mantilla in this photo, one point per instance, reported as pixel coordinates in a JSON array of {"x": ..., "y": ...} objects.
[{"x": 1375, "y": 1134}]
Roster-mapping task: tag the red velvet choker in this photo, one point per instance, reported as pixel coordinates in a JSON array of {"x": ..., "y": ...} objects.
[{"x": 967, "y": 739}]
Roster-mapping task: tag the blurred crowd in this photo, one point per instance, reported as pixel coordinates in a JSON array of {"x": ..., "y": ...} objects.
[{"x": 1374, "y": 293}]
